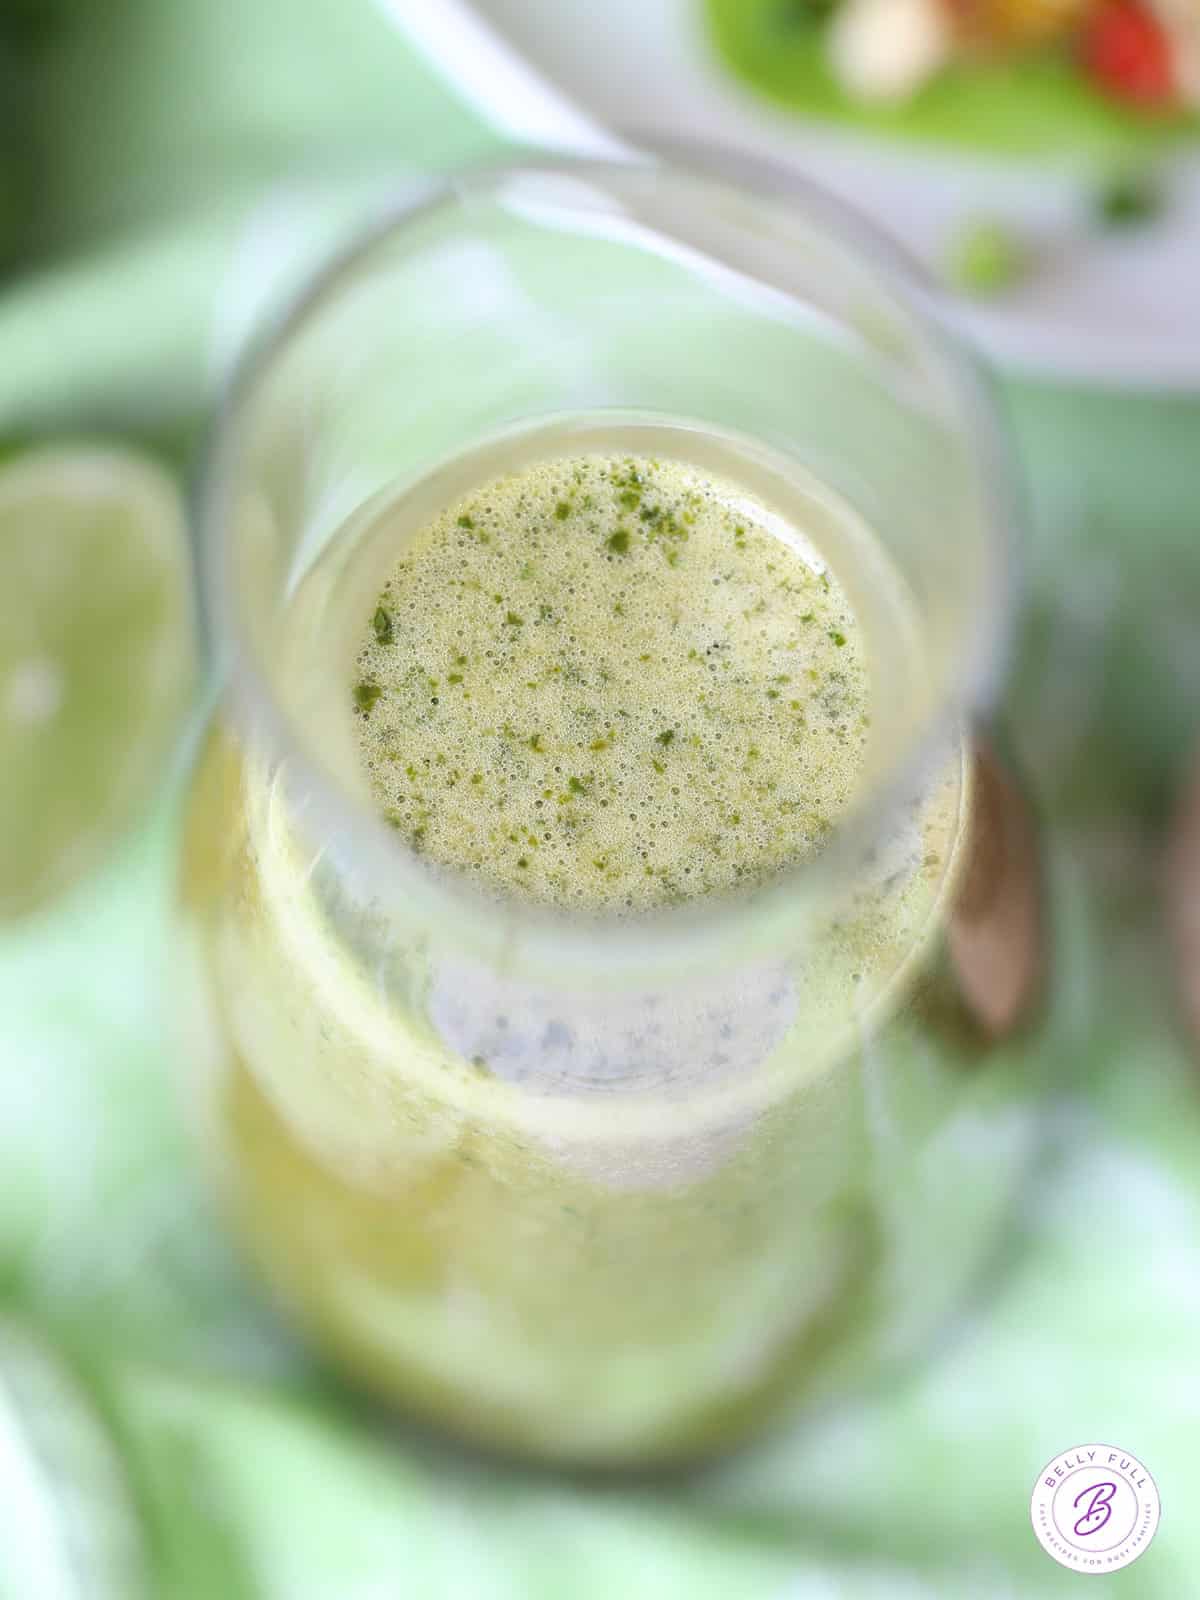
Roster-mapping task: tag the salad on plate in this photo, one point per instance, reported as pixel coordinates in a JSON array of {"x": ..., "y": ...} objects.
[{"x": 1017, "y": 76}]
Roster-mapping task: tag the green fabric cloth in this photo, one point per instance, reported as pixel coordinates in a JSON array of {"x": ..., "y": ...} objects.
[{"x": 219, "y": 1464}]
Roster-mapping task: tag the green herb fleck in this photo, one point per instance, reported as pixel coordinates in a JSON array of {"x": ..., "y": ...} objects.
[
  {"x": 838, "y": 637},
  {"x": 382, "y": 624},
  {"x": 562, "y": 510},
  {"x": 618, "y": 542},
  {"x": 1127, "y": 199},
  {"x": 535, "y": 743},
  {"x": 666, "y": 736},
  {"x": 466, "y": 522},
  {"x": 577, "y": 785},
  {"x": 513, "y": 620},
  {"x": 454, "y": 677},
  {"x": 986, "y": 258},
  {"x": 365, "y": 696}
]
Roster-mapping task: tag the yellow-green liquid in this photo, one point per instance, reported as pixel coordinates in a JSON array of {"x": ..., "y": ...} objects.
[
  {"x": 589, "y": 1222},
  {"x": 606, "y": 682}
]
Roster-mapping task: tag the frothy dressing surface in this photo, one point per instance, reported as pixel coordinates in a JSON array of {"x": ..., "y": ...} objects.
[{"x": 611, "y": 682}]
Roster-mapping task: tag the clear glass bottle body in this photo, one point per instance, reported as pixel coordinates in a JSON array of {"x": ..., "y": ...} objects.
[{"x": 596, "y": 1192}]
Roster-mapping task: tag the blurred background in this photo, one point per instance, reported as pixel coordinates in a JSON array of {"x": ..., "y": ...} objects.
[{"x": 169, "y": 171}]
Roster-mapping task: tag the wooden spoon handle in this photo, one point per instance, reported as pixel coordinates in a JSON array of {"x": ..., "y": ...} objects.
[{"x": 996, "y": 938}]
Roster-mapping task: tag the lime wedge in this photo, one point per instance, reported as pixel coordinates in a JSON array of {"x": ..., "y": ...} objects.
[
  {"x": 69, "y": 1528},
  {"x": 96, "y": 656}
]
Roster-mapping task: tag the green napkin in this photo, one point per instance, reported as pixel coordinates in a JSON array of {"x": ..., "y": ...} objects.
[{"x": 160, "y": 1433}]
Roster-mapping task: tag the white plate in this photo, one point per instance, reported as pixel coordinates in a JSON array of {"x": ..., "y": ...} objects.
[{"x": 1111, "y": 308}]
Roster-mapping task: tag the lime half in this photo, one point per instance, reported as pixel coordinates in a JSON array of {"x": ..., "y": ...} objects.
[
  {"x": 96, "y": 656},
  {"x": 69, "y": 1528}
]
